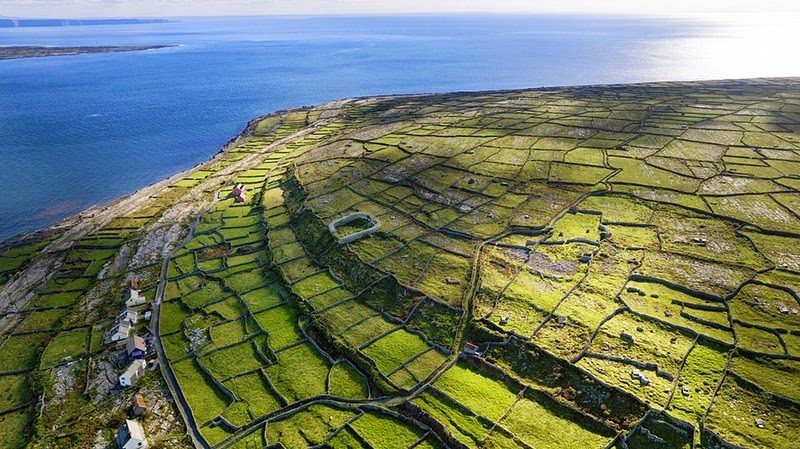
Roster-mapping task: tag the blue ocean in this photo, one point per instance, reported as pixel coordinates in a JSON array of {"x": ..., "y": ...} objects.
[{"x": 83, "y": 130}]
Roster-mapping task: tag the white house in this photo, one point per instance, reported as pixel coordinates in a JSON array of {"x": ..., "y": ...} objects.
[
  {"x": 133, "y": 298},
  {"x": 120, "y": 331},
  {"x": 133, "y": 373},
  {"x": 131, "y": 435},
  {"x": 129, "y": 315},
  {"x": 136, "y": 348}
]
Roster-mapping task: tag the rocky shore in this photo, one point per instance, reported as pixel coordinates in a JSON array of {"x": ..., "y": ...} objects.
[{"x": 26, "y": 51}]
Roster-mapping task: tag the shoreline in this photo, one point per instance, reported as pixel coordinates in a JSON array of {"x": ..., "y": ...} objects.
[
  {"x": 38, "y": 51},
  {"x": 250, "y": 127}
]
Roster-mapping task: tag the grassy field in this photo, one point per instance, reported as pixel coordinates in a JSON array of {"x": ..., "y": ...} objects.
[{"x": 625, "y": 258}]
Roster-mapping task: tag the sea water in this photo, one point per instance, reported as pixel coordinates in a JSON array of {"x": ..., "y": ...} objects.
[{"x": 83, "y": 130}]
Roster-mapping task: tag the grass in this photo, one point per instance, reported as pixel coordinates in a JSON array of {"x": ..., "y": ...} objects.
[
  {"x": 265, "y": 297},
  {"x": 67, "y": 345},
  {"x": 298, "y": 269},
  {"x": 483, "y": 395},
  {"x": 577, "y": 226},
  {"x": 173, "y": 314},
  {"x": 230, "y": 308},
  {"x": 778, "y": 249},
  {"x": 287, "y": 252},
  {"x": 549, "y": 427},
  {"x": 20, "y": 352},
  {"x": 618, "y": 374},
  {"x": 760, "y": 210},
  {"x": 233, "y": 360},
  {"x": 14, "y": 429},
  {"x": 394, "y": 349},
  {"x": 634, "y": 236},
  {"x": 462, "y": 424},
  {"x": 424, "y": 365},
  {"x": 346, "y": 439},
  {"x": 210, "y": 291},
  {"x": 228, "y": 333},
  {"x": 346, "y": 382},
  {"x": 691, "y": 181},
  {"x": 757, "y": 340},
  {"x": 669, "y": 306},
  {"x": 652, "y": 342},
  {"x": 204, "y": 398},
  {"x": 780, "y": 377},
  {"x": 446, "y": 278},
  {"x": 15, "y": 390},
  {"x": 43, "y": 320},
  {"x": 679, "y": 231},
  {"x": 307, "y": 428},
  {"x": 346, "y": 315},
  {"x": 300, "y": 373},
  {"x": 577, "y": 174},
  {"x": 176, "y": 345},
  {"x": 366, "y": 330},
  {"x": 247, "y": 281},
  {"x": 761, "y": 305},
  {"x": 255, "y": 392},
  {"x": 314, "y": 285},
  {"x": 329, "y": 298},
  {"x": 712, "y": 278},
  {"x": 701, "y": 374},
  {"x": 385, "y": 432},
  {"x": 616, "y": 209},
  {"x": 281, "y": 324},
  {"x": 735, "y": 410}
]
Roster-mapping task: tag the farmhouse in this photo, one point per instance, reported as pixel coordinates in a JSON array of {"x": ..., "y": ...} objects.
[
  {"x": 120, "y": 331},
  {"x": 133, "y": 298},
  {"x": 472, "y": 349},
  {"x": 129, "y": 315},
  {"x": 136, "y": 348},
  {"x": 133, "y": 373},
  {"x": 131, "y": 435},
  {"x": 239, "y": 193},
  {"x": 138, "y": 406}
]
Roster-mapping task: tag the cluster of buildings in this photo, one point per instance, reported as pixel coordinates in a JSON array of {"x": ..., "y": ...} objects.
[
  {"x": 132, "y": 352},
  {"x": 122, "y": 333},
  {"x": 129, "y": 316}
]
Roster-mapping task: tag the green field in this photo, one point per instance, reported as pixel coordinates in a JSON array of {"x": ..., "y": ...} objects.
[{"x": 625, "y": 258}]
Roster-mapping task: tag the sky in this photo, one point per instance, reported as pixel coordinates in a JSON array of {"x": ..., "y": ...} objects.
[{"x": 171, "y": 8}]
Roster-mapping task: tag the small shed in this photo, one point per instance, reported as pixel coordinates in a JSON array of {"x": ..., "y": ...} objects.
[
  {"x": 472, "y": 349},
  {"x": 131, "y": 435},
  {"x": 239, "y": 193},
  {"x": 136, "y": 348},
  {"x": 133, "y": 373},
  {"x": 138, "y": 406}
]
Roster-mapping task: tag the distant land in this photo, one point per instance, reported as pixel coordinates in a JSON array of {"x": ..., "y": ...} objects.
[
  {"x": 29, "y": 23},
  {"x": 605, "y": 266},
  {"x": 25, "y": 51}
]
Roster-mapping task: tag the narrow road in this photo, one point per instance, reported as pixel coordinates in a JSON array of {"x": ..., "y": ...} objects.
[{"x": 166, "y": 369}]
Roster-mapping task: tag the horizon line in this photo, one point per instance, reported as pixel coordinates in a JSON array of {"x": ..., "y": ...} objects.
[{"x": 637, "y": 14}]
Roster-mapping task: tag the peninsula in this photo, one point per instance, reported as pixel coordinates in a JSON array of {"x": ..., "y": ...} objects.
[
  {"x": 26, "y": 51},
  {"x": 609, "y": 266}
]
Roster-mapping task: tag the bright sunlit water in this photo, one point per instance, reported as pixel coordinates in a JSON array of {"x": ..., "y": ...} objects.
[{"x": 82, "y": 130}]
